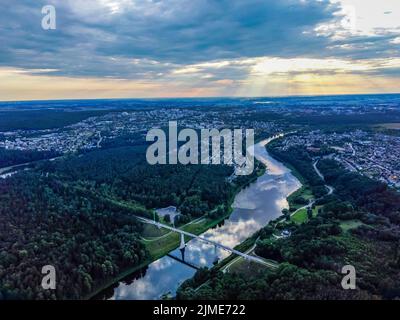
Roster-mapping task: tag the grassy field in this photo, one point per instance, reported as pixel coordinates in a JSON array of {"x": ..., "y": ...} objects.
[
  {"x": 242, "y": 247},
  {"x": 161, "y": 246},
  {"x": 150, "y": 231},
  {"x": 301, "y": 216},
  {"x": 247, "y": 268},
  {"x": 304, "y": 192}
]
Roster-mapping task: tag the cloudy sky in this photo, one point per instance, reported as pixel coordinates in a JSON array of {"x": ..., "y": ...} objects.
[{"x": 176, "y": 48}]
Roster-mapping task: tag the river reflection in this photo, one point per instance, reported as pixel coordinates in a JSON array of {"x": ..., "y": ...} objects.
[{"x": 254, "y": 207}]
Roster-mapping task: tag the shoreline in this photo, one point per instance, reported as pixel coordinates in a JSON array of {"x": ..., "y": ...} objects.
[
  {"x": 211, "y": 224},
  {"x": 250, "y": 241},
  {"x": 175, "y": 245}
]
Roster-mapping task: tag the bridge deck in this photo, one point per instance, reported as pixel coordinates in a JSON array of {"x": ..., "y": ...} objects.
[{"x": 243, "y": 255}]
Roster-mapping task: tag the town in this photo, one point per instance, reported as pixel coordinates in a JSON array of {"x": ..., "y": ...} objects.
[
  {"x": 95, "y": 131},
  {"x": 372, "y": 154}
]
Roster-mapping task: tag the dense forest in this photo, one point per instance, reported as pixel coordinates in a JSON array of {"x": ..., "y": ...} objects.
[
  {"x": 345, "y": 121},
  {"x": 287, "y": 283},
  {"x": 15, "y": 157},
  {"x": 375, "y": 201},
  {"x": 43, "y": 119},
  {"x": 312, "y": 258},
  {"x": 124, "y": 175},
  {"x": 44, "y": 221},
  {"x": 77, "y": 213},
  {"x": 301, "y": 160}
]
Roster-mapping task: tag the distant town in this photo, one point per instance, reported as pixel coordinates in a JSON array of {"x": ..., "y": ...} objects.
[
  {"x": 372, "y": 154},
  {"x": 91, "y": 133}
]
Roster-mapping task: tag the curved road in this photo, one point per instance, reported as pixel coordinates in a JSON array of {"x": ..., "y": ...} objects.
[{"x": 330, "y": 188}]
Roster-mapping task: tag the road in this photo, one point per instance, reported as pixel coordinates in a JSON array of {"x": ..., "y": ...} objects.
[
  {"x": 330, "y": 188},
  {"x": 226, "y": 268},
  {"x": 100, "y": 140},
  {"x": 312, "y": 202}
]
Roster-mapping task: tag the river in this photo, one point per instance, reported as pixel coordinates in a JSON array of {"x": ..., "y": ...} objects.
[
  {"x": 7, "y": 171},
  {"x": 253, "y": 208}
]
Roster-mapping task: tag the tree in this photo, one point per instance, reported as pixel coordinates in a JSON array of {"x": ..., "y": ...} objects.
[
  {"x": 309, "y": 213},
  {"x": 286, "y": 214},
  {"x": 266, "y": 232}
]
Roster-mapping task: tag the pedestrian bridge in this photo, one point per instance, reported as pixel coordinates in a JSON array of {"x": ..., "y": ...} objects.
[{"x": 214, "y": 243}]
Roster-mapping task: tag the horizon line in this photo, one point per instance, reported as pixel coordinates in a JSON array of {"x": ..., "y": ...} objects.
[{"x": 206, "y": 97}]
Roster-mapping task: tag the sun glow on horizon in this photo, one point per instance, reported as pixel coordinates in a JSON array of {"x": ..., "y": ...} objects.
[{"x": 130, "y": 48}]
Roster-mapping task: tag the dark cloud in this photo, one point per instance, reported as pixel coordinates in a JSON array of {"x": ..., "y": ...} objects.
[
  {"x": 379, "y": 45},
  {"x": 90, "y": 40}
]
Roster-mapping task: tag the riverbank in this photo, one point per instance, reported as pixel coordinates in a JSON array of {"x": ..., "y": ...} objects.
[
  {"x": 304, "y": 191},
  {"x": 254, "y": 204},
  {"x": 160, "y": 247},
  {"x": 250, "y": 242},
  {"x": 18, "y": 167}
]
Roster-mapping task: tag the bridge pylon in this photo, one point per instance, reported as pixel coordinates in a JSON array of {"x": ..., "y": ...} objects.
[{"x": 183, "y": 244}]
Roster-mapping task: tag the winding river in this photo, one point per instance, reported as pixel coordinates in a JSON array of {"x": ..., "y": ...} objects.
[{"x": 254, "y": 207}]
